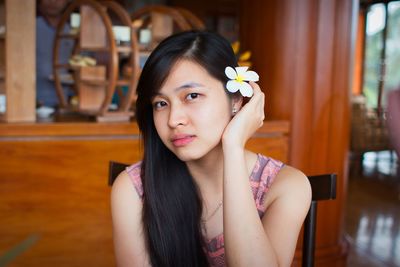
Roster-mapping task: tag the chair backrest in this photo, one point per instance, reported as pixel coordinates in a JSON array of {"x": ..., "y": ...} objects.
[
  {"x": 115, "y": 168},
  {"x": 323, "y": 188}
]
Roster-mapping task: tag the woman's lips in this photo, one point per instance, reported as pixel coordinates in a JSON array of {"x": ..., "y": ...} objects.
[{"x": 182, "y": 140}]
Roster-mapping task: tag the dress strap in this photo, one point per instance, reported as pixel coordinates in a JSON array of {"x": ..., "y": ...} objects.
[
  {"x": 263, "y": 175},
  {"x": 134, "y": 174}
]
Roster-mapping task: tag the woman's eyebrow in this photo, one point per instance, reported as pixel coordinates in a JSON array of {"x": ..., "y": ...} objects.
[
  {"x": 189, "y": 85},
  {"x": 182, "y": 87}
]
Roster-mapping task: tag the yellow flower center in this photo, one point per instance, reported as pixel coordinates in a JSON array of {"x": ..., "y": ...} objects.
[{"x": 239, "y": 78}]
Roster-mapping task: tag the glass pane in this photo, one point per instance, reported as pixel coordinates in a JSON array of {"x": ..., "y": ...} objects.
[
  {"x": 392, "y": 79},
  {"x": 373, "y": 48}
]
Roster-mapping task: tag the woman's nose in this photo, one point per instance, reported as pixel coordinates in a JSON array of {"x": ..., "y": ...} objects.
[{"x": 177, "y": 116}]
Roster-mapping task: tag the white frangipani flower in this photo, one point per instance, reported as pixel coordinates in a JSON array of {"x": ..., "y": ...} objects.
[{"x": 238, "y": 77}]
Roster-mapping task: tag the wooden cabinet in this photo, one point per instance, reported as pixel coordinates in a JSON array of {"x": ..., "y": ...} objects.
[
  {"x": 54, "y": 186},
  {"x": 17, "y": 60}
]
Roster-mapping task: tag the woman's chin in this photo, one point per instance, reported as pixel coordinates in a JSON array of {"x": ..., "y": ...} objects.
[{"x": 187, "y": 157}]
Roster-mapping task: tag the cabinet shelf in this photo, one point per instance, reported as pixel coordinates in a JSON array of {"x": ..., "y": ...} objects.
[
  {"x": 68, "y": 79},
  {"x": 120, "y": 49}
]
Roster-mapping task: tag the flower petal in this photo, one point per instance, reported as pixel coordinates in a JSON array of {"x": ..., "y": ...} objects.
[
  {"x": 251, "y": 76},
  {"x": 233, "y": 86},
  {"x": 246, "y": 90},
  {"x": 230, "y": 73},
  {"x": 241, "y": 70}
]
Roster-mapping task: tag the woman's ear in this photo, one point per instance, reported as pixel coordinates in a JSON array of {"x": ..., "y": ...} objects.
[{"x": 237, "y": 102}]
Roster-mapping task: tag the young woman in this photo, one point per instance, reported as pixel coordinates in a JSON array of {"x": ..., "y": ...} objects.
[{"x": 198, "y": 197}]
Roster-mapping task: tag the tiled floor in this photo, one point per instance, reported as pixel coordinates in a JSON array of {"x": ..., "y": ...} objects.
[{"x": 373, "y": 212}]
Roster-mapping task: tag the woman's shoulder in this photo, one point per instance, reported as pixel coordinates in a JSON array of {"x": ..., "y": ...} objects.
[
  {"x": 134, "y": 170},
  {"x": 266, "y": 169},
  {"x": 126, "y": 211},
  {"x": 133, "y": 175},
  {"x": 129, "y": 181},
  {"x": 292, "y": 184},
  {"x": 292, "y": 177},
  {"x": 283, "y": 172},
  {"x": 286, "y": 180},
  {"x": 269, "y": 163}
]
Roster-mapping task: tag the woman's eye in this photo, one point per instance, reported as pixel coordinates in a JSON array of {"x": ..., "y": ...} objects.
[
  {"x": 192, "y": 96},
  {"x": 159, "y": 104}
]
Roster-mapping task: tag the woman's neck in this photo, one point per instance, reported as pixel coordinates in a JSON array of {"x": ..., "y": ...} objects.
[{"x": 207, "y": 172}]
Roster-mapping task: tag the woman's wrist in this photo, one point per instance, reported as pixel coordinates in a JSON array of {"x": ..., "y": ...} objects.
[{"x": 232, "y": 148}]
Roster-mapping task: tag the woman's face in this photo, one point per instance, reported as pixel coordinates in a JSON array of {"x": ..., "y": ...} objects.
[{"x": 191, "y": 111}]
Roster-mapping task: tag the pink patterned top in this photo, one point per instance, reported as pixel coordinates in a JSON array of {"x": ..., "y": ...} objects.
[{"x": 261, "y": 178}]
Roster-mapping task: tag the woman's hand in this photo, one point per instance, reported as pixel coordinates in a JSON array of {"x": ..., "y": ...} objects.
[{"x": 246, "y": 122}]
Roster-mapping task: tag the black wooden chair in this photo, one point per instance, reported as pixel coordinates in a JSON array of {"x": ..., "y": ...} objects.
[
  {"x": 323, "y": 188},
  {"x": 115, "y": 168}
]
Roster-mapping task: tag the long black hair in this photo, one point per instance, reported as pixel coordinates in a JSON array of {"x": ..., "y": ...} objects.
[{"x": 172, "y": 204}]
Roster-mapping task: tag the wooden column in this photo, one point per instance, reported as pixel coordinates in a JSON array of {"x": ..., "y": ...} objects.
[
  {"x": 20, "y": 68},
  {"x": 358, "y": 72},
  {"x": 303, "y": 53}
]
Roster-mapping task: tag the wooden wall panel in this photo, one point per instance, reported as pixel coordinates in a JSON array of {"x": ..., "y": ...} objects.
[{"x": 303, "y": 53}]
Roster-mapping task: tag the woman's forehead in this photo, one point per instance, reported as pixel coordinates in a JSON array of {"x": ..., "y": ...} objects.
[
  {"x": 186, "y": 73},
  {"x": 187, "y": 68}
]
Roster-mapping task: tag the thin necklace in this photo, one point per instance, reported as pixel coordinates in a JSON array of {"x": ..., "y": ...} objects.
[{"x": 213, "y": 213}]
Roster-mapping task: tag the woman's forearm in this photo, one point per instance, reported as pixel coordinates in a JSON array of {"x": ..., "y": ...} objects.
[{"x": 246, "y": 242}]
